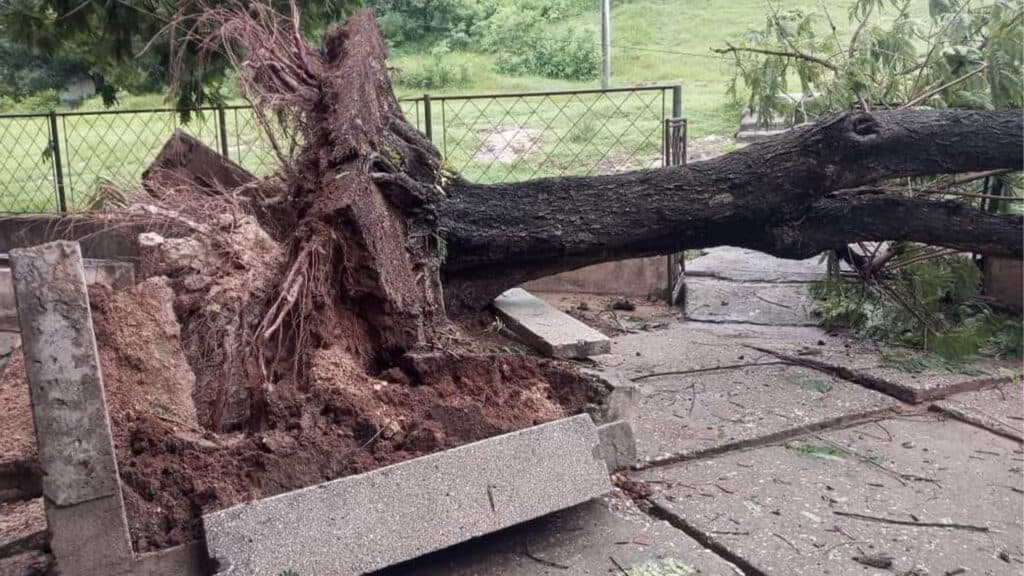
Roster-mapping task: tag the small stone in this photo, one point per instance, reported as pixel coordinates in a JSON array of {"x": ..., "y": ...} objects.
[{"x": 908, "y": 444}]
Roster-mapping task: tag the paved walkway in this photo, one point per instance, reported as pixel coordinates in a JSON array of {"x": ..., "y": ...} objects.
[{"x": 769, "y": 447}]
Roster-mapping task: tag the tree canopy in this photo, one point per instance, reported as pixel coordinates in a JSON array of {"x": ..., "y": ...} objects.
[{"x": 128, "y": 43}]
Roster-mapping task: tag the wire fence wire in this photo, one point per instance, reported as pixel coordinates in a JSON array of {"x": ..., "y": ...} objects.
[{"x": 66, "y": 161}]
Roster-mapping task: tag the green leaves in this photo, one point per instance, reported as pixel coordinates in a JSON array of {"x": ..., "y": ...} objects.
[{"x": 817, "y": 452}]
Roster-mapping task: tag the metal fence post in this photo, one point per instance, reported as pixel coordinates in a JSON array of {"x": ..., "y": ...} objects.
[
  {"x": 222, "y": 120},
  {"x": 428, "y": 124},
  {"x": 677, "y": 113},
  {"x": 58, "y": 169}
]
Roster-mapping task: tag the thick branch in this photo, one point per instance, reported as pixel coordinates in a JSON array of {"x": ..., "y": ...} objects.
[
  {"x": 757, "y": 197},
  {"x": 796, "y": 54}
]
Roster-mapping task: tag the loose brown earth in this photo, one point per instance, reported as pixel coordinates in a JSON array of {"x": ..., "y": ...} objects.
[{"x": 344, "y": 421}]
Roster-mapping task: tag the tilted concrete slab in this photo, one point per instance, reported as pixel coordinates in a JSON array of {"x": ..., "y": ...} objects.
[
  {"x": 592, "y": 539},
  {"x": 370, "y": 521},
  {"x": 745, "y": 265},
  {"x": 934, "y": 495},
  {"x": 707, "y": 410},
  {"x": 549, "y": 330},
  {"x": 865, "y": 364},
  {"x": 711, "y": 300},
  {"x": 999, "y": 409}
]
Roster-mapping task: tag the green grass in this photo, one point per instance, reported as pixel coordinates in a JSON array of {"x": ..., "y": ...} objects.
[{"x": 654, "y": 41}]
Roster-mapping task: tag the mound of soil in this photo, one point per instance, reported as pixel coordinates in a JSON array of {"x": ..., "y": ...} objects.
[{"x": 342, "y": 422}]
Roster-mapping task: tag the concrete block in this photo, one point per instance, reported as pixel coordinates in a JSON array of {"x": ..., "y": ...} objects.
[
  {"x": 770, "y": 304},
  {"x": 618, "y": 446},
  {"x": 549, "y": 330},
  {"x": 366, "y": 522}
]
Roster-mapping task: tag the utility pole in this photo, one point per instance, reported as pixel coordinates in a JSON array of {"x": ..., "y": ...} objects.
[{"x": 606, "y": 44}]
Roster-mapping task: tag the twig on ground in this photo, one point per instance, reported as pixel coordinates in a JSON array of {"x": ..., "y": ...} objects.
[
  {"x": 884, "y": 520},
  {"x": 619, "y": 566},
  {"x": 539, "y": 560},
  {"x": 711, "y": 369},
  {"x": 791, "y": 545}
]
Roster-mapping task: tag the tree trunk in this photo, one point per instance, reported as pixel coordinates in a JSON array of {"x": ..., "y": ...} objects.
[{"x": 774, "y": 196}]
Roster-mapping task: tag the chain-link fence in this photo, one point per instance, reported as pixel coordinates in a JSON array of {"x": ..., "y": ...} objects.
[{"x": 65, "y": 161}]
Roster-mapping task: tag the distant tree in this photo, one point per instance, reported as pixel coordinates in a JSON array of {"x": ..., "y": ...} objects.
[
  {"x": 127, "y": 43},
  {"x": 24, "y": 72}
]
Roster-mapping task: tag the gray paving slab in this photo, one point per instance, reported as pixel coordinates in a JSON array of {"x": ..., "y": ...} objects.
[
  {"x": 374, "y": 520},
  {"x": 580, "y": 541},
  {"x": 681, "y": 416},
  {"x": 549, "y": 330},
  {"x": 745, "y": 265},
  {"x": 712, "y": 300},
  {"x": 871, "y": 366},
  {"x": 934, "y": 495},
  {"x": 999, "y": 409}
]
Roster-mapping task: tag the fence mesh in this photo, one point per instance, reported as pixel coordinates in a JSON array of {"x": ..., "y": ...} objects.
[{"x": 489, "y": 139}]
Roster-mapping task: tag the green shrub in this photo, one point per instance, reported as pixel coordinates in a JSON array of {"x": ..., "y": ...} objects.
[
  {"x": 573, "y": 57},
  {"x": 43, "y": 101},
  {"x": 438, "y": 73},
  {"x": 942, "y": 290}
]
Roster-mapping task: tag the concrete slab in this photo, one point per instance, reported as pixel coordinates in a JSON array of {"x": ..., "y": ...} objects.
[
  {"x": 999, "y": 409},
  {"x": 22, "y": 527},
  {"x": 745, "y": 265},
  {"x": 587, "y": 540},
  {"x": 705, "y": 410},
  {"x": 618, "y": 445},
  {"x": 549, "y": 330},
  {"x": 933, "y": 495},
  {"x": 867, "y": 365},
  {"x": 370, "y": 521},
  {"x": 711, "y": 300}
]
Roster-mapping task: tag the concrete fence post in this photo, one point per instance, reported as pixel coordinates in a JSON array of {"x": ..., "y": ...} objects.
[{"x": 81, "y": 489}]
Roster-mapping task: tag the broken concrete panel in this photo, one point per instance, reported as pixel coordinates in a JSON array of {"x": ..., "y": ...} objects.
[
  {"x": 549, "y": 330},
  {"x": 72, "y": 429},
  {"x": 745, "y": 265},
  {"x": 865, "y": 365},
  {"x": 710, "y": 300},
  {"x": 117, "y": 275},
  {"x": 618, "y": 446},
  {"x": 185, "y": 161},
  {"x": 638, "y": 277},
  {"x": 933, "y": 495},
  {"x": 999, "y": 409},
  {"x": 370, "y": 521},
  {"x": 592, "y": 539}
]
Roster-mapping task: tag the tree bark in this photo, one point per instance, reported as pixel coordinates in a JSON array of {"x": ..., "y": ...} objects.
[{"x": 770, "y": 196}]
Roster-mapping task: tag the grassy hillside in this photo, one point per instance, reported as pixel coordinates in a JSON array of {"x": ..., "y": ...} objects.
[{"x": 659, "y": 41}]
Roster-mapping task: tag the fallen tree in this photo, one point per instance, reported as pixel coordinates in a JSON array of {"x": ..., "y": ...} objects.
[{"x": 312, "y": 305}]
